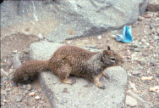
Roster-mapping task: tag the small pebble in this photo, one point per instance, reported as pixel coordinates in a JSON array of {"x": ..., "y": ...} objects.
[
  {"x": 154, "y": 89},
  {"x": 147, "y": 16},
  {"x": 15, "y": 51},
  {"x": 8, "y": 89},
  {"x": 157, "y": 98},
  {"x": 11, "y": 70},
  {"x": 136, "y": 96},
  {"x": 10, "y": 106},
  {"x": 4, "y": 100},
  {"x": 40, "y": 36},
  {"x": 156, "y": 37},
  {"x": 99, "y": 37},
  {"x": 19, "y": 98},
  {"x": 4, "y": 73},
  {"x": 26, "y": 51},
  {"x": 157, "y": 75},
  {"x": 24, "y": 86},
  {"x": 14, "y": 84},
  {"x": 151, "y": 26},
  {"x": 133, "y": 86},
  {"x": 37, "y": 97},
  {"x": 19, "y": 105},
  {"x": 152, "y": 62},
  {"x": 69, "y": 42},
  {"x": 146, "y": 78},
  {"x": 32, "y": 94},
  {"x": 65, "y": 90},
  {"x": 130, "y": 101},
  {"x": 140, "y": 18},
  {"x": 136, "y": 72},
  {"x": 155, "y": 106},
  {"x": 29, "y": 87}
]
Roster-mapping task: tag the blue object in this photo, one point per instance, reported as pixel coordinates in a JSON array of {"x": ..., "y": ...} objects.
[{"x": 126, "y": 36}]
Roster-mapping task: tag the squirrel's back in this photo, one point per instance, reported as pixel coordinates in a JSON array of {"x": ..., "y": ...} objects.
[{"x": 74, "y": 56}]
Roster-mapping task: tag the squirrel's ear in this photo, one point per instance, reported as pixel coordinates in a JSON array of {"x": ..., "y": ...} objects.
[
  {"x": 108, "y": 48},
  {"x": 105, "y": 52}
]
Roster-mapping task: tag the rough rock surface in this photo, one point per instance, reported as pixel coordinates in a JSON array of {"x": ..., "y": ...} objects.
[
  {"x": 15, "y": 12},
  {"x": 83, "y": 93},
  {"x": 43, "y": 50},
  {"x": 153, "y": 5},
  {"x": 75, "y": 18},
  {"x": 81, "y": 18}
]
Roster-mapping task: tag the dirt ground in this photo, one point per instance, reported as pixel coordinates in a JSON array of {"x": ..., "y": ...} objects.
[{"x": 141, "y": 61}]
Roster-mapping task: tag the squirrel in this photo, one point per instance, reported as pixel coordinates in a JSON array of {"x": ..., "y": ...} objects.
[{"x": 71, "y": 60}]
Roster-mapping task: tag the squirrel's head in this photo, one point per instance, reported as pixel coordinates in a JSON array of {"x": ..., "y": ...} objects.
[{"x": 110, "y": 58}]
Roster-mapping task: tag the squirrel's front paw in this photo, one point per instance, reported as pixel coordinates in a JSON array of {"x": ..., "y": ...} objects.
[
  {"x": 102, "y": 87},
  {"x": 106, "y": 75},
  {"x": 69, "y": 81}
]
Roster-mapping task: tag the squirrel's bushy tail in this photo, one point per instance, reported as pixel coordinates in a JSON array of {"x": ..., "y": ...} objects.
[{"x": 29, "y": 70}]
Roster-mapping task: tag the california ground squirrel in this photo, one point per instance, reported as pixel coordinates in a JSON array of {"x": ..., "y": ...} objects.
[{"x": 71, "y": 60}]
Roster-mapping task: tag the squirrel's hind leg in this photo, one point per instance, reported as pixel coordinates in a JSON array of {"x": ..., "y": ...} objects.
[{"x": 64, "y": 73}]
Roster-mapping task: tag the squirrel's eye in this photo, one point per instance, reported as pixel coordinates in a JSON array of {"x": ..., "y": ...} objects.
[{"x": 112, "y": 58}]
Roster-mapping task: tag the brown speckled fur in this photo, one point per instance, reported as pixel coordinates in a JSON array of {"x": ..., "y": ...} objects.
[{"x": 71, "y": 60}]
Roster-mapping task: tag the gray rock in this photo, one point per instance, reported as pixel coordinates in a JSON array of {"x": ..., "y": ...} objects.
[
  {"x": 8, "y": 89},
  {"x": 92, "y": 46},
  {"x": 136, "y": 72},
  {"x": 83, "y": 93},
  {"x": 153, "y": 5},
  {"x": 19, "y": 98},
  {"x": 155, "y": 106},
  {"x": 138, "y": 49},
  {"x": 14, "y": 12},
  {"x": 75, "y": 18},
  {"x": 8, "y": 12},
  {"x": 43, "y": 50},
  {"x": 24, "y": 86},
  {"x": 19, "y": 105},
  {"x": 81, "y": 18},
  {"x": 153, "y": 62},
  {"x": 157, "y": 75},
  {"x": 156, "y": 37},
  {"x": 157, "y": 98},
  {"x": 132, "y": 86},
  {"x": 135, "y": 96},
  {"x": 130, "y": 101},
  {"x": 4, "y": 73},
  {"x": 10, "y": 106},
  {"x": 16, "y": 61},
  {"x": 140, "y": 18},
  {"x": 29, "y": 87},
  {"x": 151, "y": 26}
]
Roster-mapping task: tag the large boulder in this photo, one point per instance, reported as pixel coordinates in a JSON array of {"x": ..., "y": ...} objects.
[
  {"x": 82, "y": 94},
  {"x": 91, "y": 17},
  {"x": 75, "y": 18}
]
